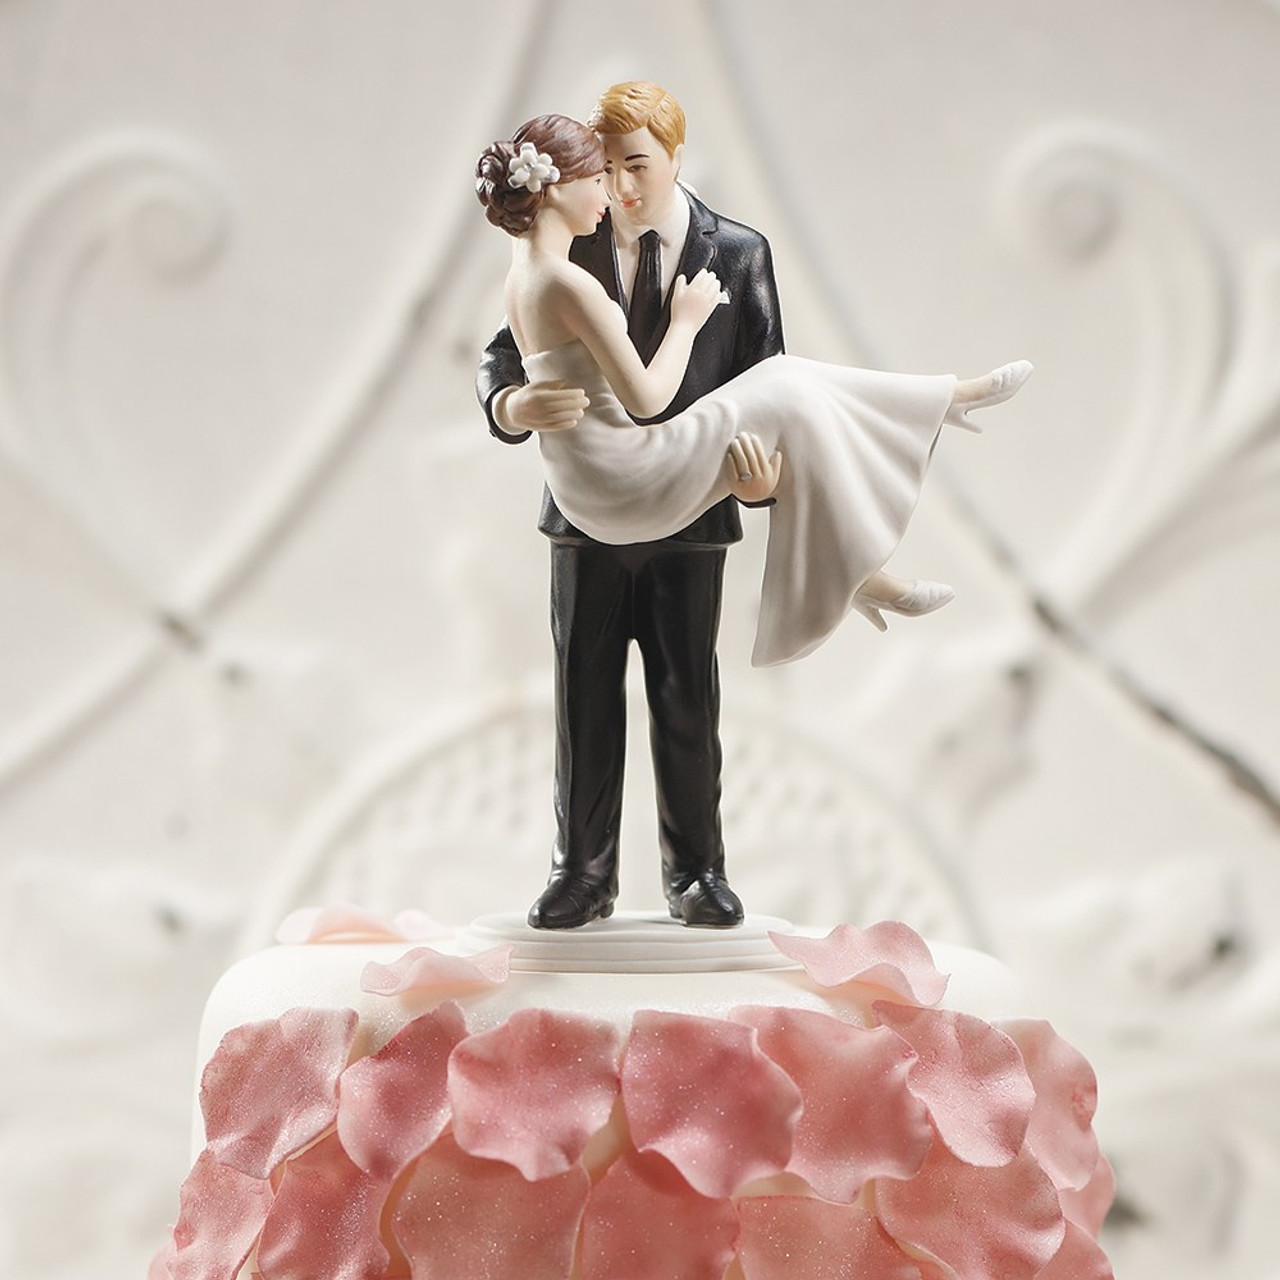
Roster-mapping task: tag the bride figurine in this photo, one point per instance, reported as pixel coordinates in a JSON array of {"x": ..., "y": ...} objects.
[{"x": 841, "y": 452}]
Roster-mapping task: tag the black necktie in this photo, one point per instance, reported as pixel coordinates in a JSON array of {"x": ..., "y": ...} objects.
[{"x": 646, "y": 297}]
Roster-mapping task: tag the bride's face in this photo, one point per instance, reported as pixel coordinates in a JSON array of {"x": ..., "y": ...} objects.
[{"x": 582, "y": 202}]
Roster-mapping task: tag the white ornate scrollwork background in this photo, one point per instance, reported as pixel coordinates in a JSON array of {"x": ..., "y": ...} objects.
[{"x": 274, "y": 605}]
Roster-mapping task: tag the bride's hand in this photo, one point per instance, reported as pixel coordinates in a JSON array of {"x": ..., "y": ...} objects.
[{"x": 694, "y": 300}]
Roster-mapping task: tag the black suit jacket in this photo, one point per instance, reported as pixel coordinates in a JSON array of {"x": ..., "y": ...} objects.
[{"x": 739, "y": 334}]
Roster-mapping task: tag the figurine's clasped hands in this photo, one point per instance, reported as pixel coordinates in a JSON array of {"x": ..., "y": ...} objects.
[
  {"x": 541, "y": 406},
  {"x": 694, "y": 300},
  {"x": 753, "y": 474}
]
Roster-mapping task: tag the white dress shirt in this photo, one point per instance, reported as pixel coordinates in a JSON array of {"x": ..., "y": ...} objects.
[{"x": 672, "y": 232}]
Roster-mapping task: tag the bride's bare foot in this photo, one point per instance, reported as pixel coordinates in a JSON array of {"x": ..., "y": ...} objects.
[
  {"x": 991, "y": 388},
  {"x": 910, "y": 599}
]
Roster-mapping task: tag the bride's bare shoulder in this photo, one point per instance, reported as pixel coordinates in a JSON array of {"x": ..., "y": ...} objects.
[
  {"x": 561, "y": 275},
  {"x": 536, "y": 284},
  {"x": 554, "y": 300}
]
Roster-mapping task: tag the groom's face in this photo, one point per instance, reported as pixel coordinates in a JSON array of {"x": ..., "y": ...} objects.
[{"x": 640, "y": 175}]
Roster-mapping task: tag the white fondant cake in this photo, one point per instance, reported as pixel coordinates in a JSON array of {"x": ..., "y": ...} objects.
[
  {"x": 635, "y": 1098},
  {"x": 607, "y": 969}
]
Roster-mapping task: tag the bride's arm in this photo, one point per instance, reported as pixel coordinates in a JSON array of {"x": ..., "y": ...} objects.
[{"x": 590, "y": 315}]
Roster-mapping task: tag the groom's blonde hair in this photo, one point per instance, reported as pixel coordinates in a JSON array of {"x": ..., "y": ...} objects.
[{"x": 640, "y": 104}]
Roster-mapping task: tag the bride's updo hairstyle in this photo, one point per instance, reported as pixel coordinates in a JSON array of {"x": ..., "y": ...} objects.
[{"x": 574, "y": 150}]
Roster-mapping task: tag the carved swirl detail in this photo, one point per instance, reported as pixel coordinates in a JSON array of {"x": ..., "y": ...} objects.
[
  {"x": 1198, "y": 464},
  {"x": 161, "y": 198},
  {"x": 1069, "y": 199}
]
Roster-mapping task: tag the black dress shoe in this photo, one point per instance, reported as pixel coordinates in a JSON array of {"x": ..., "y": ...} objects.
[
  {"x": 568, "y": 903},
  {"x": 707, "y": 903}
]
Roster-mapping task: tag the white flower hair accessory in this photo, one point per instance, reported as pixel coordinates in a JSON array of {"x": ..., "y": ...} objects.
[{"x": 530, "y": 169}]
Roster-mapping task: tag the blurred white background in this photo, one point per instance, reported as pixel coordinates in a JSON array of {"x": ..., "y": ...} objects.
[{"x": 274, "y": 603}]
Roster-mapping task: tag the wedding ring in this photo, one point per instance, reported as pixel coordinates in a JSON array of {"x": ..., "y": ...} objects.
[{"x": 744, "y": 475}]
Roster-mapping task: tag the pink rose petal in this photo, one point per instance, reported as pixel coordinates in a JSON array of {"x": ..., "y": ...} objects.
[
  {"x": 644, "y": 1220},
  {"x": 460, "y": 1216},
  {"x": 1080, "y": 1258},
  {"x": 427, "y": 967},
  {"x": 889, "y": 956},
  {"x": 158, "y": 1268},
  {"x": 1061, "y": 1129},
  {"x": 394, "y": 1105},
  {"x": 346, "y": 923},
  {"x": 699, "y": 1091},
  {"x": 1089, "y": 1206},
  {"x": 1001, "y": 1222},
  {"x": 533, "y": 1091},
  {"x": 271, "y": 1087},
  {"x": 860, "y": 1119},
  {"x": 796, "y": 1238},
  {"x": 324, "y": 1221},
  {"x": 222, "y": 1210},
  {"x": 970, "y": 1076},
  {"x": 933, "y": 1271}
]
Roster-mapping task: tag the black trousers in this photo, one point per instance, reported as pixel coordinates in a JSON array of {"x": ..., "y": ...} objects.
[{"x": 666, "y": 597}]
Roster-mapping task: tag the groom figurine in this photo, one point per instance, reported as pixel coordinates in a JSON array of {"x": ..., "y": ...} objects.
[{"x": 665, "y": 595}]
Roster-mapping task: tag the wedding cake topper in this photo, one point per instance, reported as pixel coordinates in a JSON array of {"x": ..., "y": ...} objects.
[{"x": 644, "y": 346}]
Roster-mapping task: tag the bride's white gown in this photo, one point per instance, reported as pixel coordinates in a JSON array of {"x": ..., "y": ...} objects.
[{"x": 855, "y": 445}]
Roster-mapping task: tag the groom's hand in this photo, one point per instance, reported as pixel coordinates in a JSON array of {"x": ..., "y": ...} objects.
[
  {"x": 753, "y": 474},
  {"x": 540, "y": 406}
]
